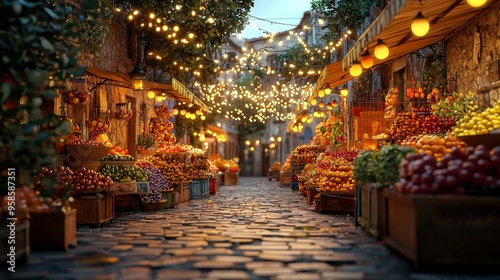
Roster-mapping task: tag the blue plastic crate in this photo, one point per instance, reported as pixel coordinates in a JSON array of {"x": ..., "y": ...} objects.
[
  {"x": 196, "y": 189},
  {"x": 199, "y": 188},
  {"x": 294, "y": 186}
]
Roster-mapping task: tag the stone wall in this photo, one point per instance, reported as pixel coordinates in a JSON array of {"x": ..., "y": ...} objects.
[
  {"x": 460, "y": 54},
  {"x": 118, "y": 55}
]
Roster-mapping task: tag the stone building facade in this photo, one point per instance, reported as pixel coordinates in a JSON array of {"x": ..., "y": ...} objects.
[{"x": 473, "y": 54}]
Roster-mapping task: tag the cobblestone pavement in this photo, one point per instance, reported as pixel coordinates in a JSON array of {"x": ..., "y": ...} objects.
[{"x": 255, "y": 230}]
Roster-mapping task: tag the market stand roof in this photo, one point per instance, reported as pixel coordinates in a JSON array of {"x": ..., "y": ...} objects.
[
  {"x": 393, "y": 26},
  {"x": 175, "y": 90}
]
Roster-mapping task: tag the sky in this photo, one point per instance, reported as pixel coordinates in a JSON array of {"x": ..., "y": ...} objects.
[{"x": 288, "y": 12}]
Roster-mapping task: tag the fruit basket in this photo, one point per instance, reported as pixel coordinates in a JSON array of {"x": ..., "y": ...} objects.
[
  {"x": 123, "y": 111},
  {"x": 86, "y": 152},
  {"x": 75, "y": 97},
  {"x": 155, "y": 206},
  {"x": 98, "y": 126}
]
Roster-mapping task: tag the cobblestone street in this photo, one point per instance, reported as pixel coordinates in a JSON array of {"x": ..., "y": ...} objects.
[{"x": 255, "y": 230}]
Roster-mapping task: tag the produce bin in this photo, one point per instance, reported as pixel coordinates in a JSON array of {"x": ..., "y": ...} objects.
[
  {"x": 213, "y": 182},
  {"x": 52, "y": 231},
  {"x": 444, "y": 231},
  {"x": 370, "y": 202},
  {"x": 169, "y": 197},
  {"x": 198, "y": 189},
  {"x": 285, "y": 179},
  {"x": 231, "y": 179},
  {"x": 337, "y": 202},
  {"x": 311, "y": 194},
  {"x": 94, "y": 209}
]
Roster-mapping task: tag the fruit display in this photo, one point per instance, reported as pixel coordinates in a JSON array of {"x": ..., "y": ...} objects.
[
  {"x": 407, "y": 124},
  {"x": 123, "y": 111},
  {"x": 85, "y": 180},
  {"x": 26, "y": 200},
  {"x": 276, "y": 166},
  {"x": 456, "y": 105},
  {"x": 338, "y": 177},
  {"x": 119, "y": 151},
  {"x": 98, "y": 125},
  {"x": 433, "y": 145},
  {"x": 162, "y": 112},
  {"x": 156, "y": 179},
  {"x": 404, "y": 125},
  {"x": 329, "y": 133},
  {"x": 173, "y": 148},
  {"x": 226, "y": 164},
  {"x": 118, "y": 158},
  {"x": 415, "y": 93},
  {"x": 85, "y": 142},
  {"x": 306, "y": 154},
  {"x": 120, "y": 173},
  {"x": 479, "y": 123},
  {"x": 75, "y": 97},
  {"x": 53, "y": 181},
  {"x": 472, "y": 171},
  {"x": 436, "y": 95},
  {"x": 154, "y": 196},
  {"x": 391, "y": 100},
  {"x": 172, "y": 166}
]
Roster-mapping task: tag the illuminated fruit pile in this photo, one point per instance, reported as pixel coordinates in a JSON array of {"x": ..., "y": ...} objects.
[
  {"x": 171, "y": 166},
  {"x": 479, "y": 123},
  {"x": 119, "y": 173},
  {"x": 156, "y": 179},
  {"x": 474, "y": 171},
  {"x": 338, "y": 178},
  {"x": 404, "y": 125},
  {"x": 433, "y": 144},
  {"x": 160, "y": 127},
  {"x": 415, "y": 93}
]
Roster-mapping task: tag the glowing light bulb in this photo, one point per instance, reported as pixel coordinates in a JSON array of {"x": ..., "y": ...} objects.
[
  {"x": 381, "y": 50},
  {"x": 420, "y": 25}
]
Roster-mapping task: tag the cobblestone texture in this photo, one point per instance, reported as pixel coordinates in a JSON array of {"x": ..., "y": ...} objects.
[{"x": 255, "y": 230}]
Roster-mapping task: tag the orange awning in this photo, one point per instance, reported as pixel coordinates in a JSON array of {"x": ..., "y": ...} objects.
[{"x": 393, "y": 26}]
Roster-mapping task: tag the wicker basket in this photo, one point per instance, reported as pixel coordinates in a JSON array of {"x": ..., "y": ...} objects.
[
  {"x": 92, "y": 165},
  {"x": 86, "y": 152},
  {"x": 154, "y": 206}
]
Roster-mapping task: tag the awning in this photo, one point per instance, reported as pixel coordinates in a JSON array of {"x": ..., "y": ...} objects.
[
  {"x": 108, "y": 77},
  {"x": 216, "y": 130},
  {"x": 177, "y": 91},
  {"x": 393, "y": 26}
]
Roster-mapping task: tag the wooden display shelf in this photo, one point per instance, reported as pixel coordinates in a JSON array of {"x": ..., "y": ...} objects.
[
  {"x": 94, "y": 209},
  {"x": 337, "y": 202},
  {"x": 182, "y": 189},
  {"x": 444, "y": 231},
  {"x": 52, "y": 231}
]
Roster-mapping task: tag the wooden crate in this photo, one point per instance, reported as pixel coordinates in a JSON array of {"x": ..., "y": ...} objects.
[
  {"x": 285, "y": 179},
  {"x": 231, "y": 179},
  {"x": 52, "y": 231},
  {"x": 337, "y": 202},
  {"x": 94, "y": 209},
  {"x": 22, "y": 245},
  {"x": 184, "y": 194},
  {"x": 311, "y": 194},
  {"x": 369, "y": 204},
  {"x": 273, "y": 175},
  {"x": 444, "y": 231}
]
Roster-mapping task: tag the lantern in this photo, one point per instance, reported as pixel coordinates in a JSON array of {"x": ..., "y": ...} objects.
[
  {"x": 138, "y": 76},
  {"x": 344, "y": 91},
  {"x": 476, "y": 3}
]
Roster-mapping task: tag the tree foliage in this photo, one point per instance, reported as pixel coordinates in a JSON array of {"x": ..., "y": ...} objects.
[
  {"x": 37, "y": 47},
  {"x": 342, "y": 14},
  {"x": 297, "y": 59},
  {"x": 209, "y": 21}
]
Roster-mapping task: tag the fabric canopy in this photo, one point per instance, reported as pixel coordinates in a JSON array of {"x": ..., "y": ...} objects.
[
  {"x": 393, "y": 26},
  {"x": 175, "y": 90}
]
